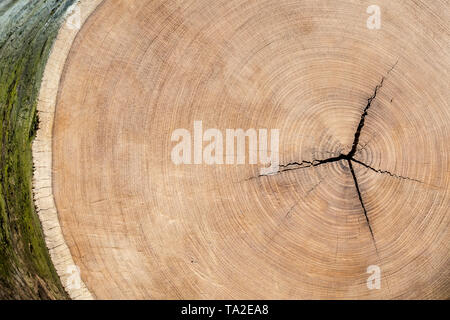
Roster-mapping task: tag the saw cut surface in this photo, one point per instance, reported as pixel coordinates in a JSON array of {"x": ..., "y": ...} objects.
[{"x": 363, "y": 118}]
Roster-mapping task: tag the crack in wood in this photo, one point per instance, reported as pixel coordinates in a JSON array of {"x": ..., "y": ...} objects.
[
  {"x": 349, "y": 157},
  {"x": 363, "y": 119},
  {"x": 355, "y": 179},
  {"x": 385, "y": 172}
]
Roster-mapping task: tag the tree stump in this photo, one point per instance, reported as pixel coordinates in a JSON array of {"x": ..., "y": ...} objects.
[{"x": 363, "y": 119}]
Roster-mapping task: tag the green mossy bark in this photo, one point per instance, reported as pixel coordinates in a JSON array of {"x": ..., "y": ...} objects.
[{"x": 27, "y": 31}]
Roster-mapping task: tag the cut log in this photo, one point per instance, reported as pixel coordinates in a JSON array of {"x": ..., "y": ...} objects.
[{"x": 363, "y": 119}]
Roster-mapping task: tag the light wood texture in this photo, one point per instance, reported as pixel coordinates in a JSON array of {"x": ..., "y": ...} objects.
[{"x": 139, "y": 226}]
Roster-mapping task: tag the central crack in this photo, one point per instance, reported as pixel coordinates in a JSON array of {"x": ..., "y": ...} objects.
[
  {"x": 349, "y": 158},
  {"x": 361, "y": 201}
]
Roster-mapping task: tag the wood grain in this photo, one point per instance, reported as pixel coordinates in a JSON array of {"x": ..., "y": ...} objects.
[{"x": 140, "y": 227}]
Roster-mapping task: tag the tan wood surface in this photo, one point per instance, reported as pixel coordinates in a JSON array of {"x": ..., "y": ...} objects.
[{"x": 138, "y": 226}]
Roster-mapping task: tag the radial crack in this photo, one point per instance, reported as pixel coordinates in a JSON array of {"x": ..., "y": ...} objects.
[
  {"x": 386, "y": 172},
  {"x": 347, "y": 157},
  {"x": 365, "y": 113},
  {"x": 361, "y": 201},
  {"x": 295, "y": 165},
  {"x": 363, "y": 119},
  {"x": 304, "y": 164}
]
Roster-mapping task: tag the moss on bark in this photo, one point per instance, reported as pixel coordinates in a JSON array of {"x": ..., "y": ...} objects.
[{"x": 27, "y": 32}]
